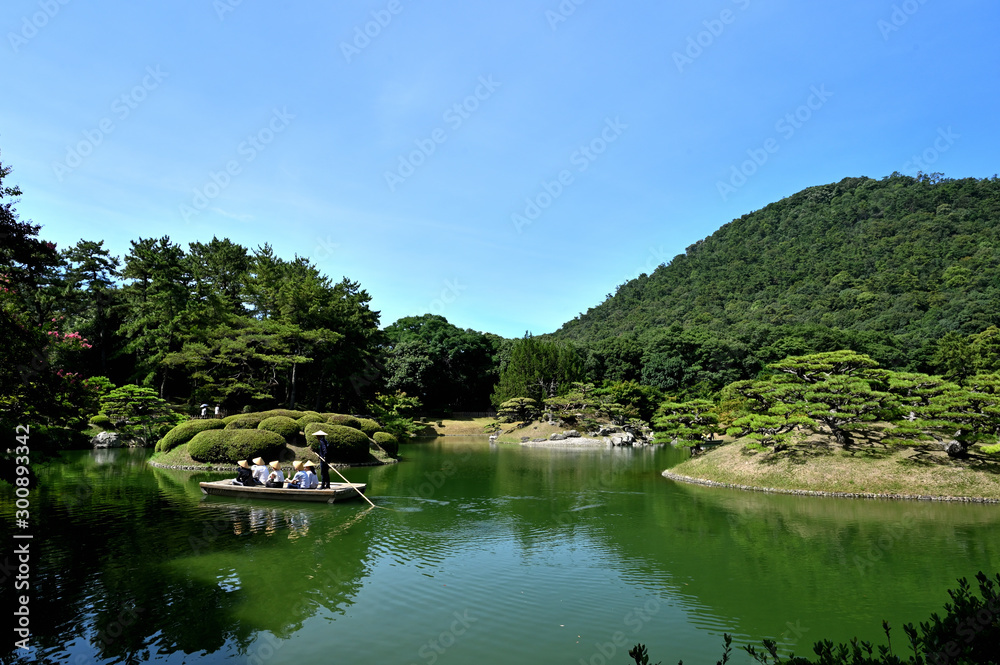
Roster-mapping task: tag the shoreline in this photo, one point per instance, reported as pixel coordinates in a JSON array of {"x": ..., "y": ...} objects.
[{"x": 669, "y": 475}]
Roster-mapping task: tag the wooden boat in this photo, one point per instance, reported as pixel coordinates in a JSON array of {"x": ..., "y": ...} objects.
[{"x": 337, "y": 493}]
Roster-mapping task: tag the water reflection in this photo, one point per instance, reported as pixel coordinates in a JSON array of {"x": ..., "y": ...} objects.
[
  {"x": 542, "y": 553},
  {"x": 135, "y": 563}
]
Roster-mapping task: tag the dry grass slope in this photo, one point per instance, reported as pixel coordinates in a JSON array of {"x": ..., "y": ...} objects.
[{"x": 820, "y": 465}]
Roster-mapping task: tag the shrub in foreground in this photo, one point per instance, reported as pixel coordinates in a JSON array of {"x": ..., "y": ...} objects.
[
  {"x": 969, "y": 632},
  {"x": 244, "y": 420},
  {"x": 288, "y": 413},
  {"x": 185, "y": 432},
  {"x": 388, "y": 442},
  {"x": 310, "y": 418},
  {"x": 368, "y": 426},
  {"x": 282, "y": 425},
  {"x": 349, "y": 444},
  {"x": 343, "y": 419},
  {"x": 102, "y": 421},
  {"x": 230, "y": 445}
]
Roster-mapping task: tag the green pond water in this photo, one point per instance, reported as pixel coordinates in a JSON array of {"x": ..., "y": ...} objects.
[{"x": 477, "y": 554}]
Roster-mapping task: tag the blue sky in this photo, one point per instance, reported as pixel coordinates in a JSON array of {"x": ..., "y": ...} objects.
[{"x": 505, "y": 165}]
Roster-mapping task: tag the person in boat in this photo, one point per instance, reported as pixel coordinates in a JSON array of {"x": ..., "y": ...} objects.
[
  {"x": 298, "y": 481},
  {"x": 275, "y": 478},
  {"x": 324, "y": 454},
  {"x": 312, "y": 482},
  {"x": 244, "y": 476},
  {"x": 260, "y": 471}
]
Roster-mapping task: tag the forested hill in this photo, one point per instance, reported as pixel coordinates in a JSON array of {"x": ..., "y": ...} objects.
[{"x": 901, "y": 257}]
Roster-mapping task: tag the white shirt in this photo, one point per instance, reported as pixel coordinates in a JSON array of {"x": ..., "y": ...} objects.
[
  {"x": 260, "y": 473},
  {"x": 276, "y": 475},
  {"x": 312, "y": 481},
  {"x": 299, "y": 478}
]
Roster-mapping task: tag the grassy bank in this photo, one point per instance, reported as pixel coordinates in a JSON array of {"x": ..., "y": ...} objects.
[
  {"x": 476, "y": 427},
  {"x": 456, "y": 427},
  {"x": 822, "y": 466}
]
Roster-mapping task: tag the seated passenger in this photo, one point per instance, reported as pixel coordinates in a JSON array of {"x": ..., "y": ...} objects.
[
  {"x": 298, "y": 481},
  {"x": 244, "y": 476},
  {"x": 259, "y": 471},
  {"x": 312, "y": 480},
  {"x": 275, "y": 478}
]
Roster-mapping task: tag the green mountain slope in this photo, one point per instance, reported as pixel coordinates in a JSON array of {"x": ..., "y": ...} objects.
[{"x": 906, "y": 258}]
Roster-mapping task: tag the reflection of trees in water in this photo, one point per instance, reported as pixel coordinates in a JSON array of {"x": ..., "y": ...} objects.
[{"x": 129, "y": 563}]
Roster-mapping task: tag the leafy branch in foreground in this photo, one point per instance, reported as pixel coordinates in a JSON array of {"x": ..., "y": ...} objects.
[{"x": 969, "y": 633}]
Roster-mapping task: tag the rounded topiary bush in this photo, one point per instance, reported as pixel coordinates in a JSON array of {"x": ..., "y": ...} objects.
[
  {"x": 388, "y": 442},
  {"x": 102, "y": 421},
  {"x": 282, "y": 425},
  {"x": 310, "y": 418},
  {"x": 349, "y": 444},
  {"x": 368, "y": 426},
  {"x": 185, "y": 432},
  {"x": 343, "y": 419},
  {"x": 308, "y": 430},
  {"x": 244, "y": 421},
  {"x": 231, "y": 445},
  {"x": 288, "y": 413}
]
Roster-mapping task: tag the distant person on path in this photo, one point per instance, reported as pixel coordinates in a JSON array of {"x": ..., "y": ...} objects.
[
  {"x": 312, "y": 482},
  {"x": 204, "y": 410},
  {"x": 275, "y": 478},
  {"x": 324, "y": 452},
  {"x": 216, "y": 410},
  {"x": 259, "y": 471}
]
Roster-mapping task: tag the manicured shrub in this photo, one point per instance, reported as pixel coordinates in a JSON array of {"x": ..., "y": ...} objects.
[
  {"x": 282, "y": 425},
  {"x": 244, "y": 421},
  {"x": 388, "y": 442},
  {"x": 349, "y": 444},
  {"x": 185, "y": 432},
  {"x": 288, "y": 413},
  {"x": 102, "y": 421},
  {"x": 231, "y": 445},
  {"x": 308, "y": 430},
  {"x": 368, "y": 426},
  {"x": 343, "y": 419},
  {"x": 310, "y": 418}
]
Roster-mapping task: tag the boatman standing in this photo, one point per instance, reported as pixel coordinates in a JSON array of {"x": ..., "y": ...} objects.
[{"x": 324, "y": 466}]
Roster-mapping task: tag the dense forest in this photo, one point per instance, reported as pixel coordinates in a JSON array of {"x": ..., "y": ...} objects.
[
  {"x": 885, "y": 267},
  {"x": 901, "y": 269}
]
